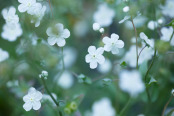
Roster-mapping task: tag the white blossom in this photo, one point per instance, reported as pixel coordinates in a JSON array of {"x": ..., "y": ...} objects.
[
  {"x": 103, "y": 107},
  {"x": 148, "y": 41},
  {"x": 10, "y": 15},
  {"x": 32, "y": 99},
  {"x": 11, "y": 32},
  {"x": 113, "y": 44},
  {"x": 104, "y": 15},
  {"x": 124, "y": 19},
  {"x": 96, "y": 26},
  {"x": 105, "y": 67},
  {"x": 166, "y": 34},
  {"x": 39, "y": 12},
  {"x": 3, "y": 55},
  {"x": 126, "y": 9},
  {"x": 57, "y": 35},
  {"x": 28, "y": 5},
  {"x": 152, "y": 25},
  {"x": 131, "y": 82},
  {"x": 168, "y": 8},
  {"x": 66, "y": 80},
  {"x": 102, "y": 30},
  {"x": 95, "y": 56}
]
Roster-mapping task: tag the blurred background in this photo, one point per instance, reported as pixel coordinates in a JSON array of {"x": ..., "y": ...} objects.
[{"x": 90, "y": 91}]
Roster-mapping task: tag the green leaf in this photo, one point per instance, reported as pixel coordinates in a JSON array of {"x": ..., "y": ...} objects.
[
  {"x": 84, "y": 79},
  {"x": 123, "y": 64}
]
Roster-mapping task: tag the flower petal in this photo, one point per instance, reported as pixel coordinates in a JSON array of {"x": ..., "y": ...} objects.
[
  {"x": 115, "y": 36},
  {"x": 36, "y": 105},
  {"x": 31, "y": 90},
  {"x": 27, "y": 106},
  {"x": 52, "y": 40},
  {"x": 106, "y": 40},
  {"x": 92, "y": 50},
  {"x": 59, "y": 27},
  {"x": 88, "y": 58},
  {"x": 61, "y": 42},
  {"x": 100, "y": 59},
  {"x": 100, "y": 50},
  {"x": 49, "y": 32},
  {"x": 119, "y": 44},
  {"x": 26, "y": 98},
  {"x": 22, "y": 8},
  {"x": 107, "y": 48},
  {"x": 93, "y": 65},
  {"x": 38, "y": 96},
  {"x": 115, "y": 50},
  {"x": 66, "y": 33}
]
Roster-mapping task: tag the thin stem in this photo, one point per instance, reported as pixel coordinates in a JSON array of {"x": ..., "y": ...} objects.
[
  {"x": 46, "y": 88},
  {"x": 136, "y": 41},
  {"x": 171, "y": 37},
  {"x": 50, "y": 7},
  {"x": 63, "y": 60},
  {"x": 125, "y": 107},
  {"x": 167, "y": 105},
  {"x": 145, "y": 78},
  {"x": 141, "y": 51}
]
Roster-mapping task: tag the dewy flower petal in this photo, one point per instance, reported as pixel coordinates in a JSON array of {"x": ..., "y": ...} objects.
[{"x": 95, "y": 56}]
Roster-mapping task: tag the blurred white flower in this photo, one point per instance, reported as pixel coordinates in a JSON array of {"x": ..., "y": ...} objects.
[
  {"x": 161, "y": 21},
  {"x": 124, "y": 19},
  {"x": 113, "y": 44},
  {"x": 168, "y": 8},
  {"x": 104, "y": 15},
  {"x": 11, "y": 32},
  {"x": 152, "y": 25},
  {"x": 126, "y": 9},
  {"x": 3, "y": 55},
  {"x": 103, "y": 107},
  {"x": 145, "y": 38},
  {"x": 66, "y": 80},
  {"x": 95, "y": 56},
  {"x": 32, "y": 99},
  {"x": 166, "y": 34},
  {"x": 57, "y": 35},
  {"x": 47, "y": 97},
  {"x": 27, "y": 5},
  {"x": 12, "y": 83},
  {"x": 102, "y": 30},
  {"x": 96, "y": 26},
  {"x": 105, "y": 67},
  {"x": 130, "y": 56},
  {"x": 131, "y": 82},
  {"x": 78, "y": 31},
  {"x": 10, "y": 15},
  {"x": 172, "y": 92},
  {"x": 39, "y": 12}
]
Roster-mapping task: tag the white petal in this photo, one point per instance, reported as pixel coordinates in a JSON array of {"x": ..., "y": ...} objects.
[
  {"x": 119, "y": 44},
  {"x": 100, "y": 50},
  {"x": 4, "y": 13},
  {"x": 143, "y": 36},
  {"x": 22, "y": 1},
  {"x": 93, "y": 65},
  {"x": 49, "y": 32},
  {"x": 88, "y": 58},
  {"x": 52, "y": 40},
  {"x": 36, "y": 105},
  {"x": 22, "y": 8},
  {"x": 66, "y": 33},
  {"x": 100, "y": 59},
  {"x": 38, "y": 96},
  {"x": 115, "y": 50},
  {"x": 92, "y": 50},
  {"x": 37, "y": 23},
  {"x": 27, "y": 106},
  {"x": 31, "y": 90},
  {"x": 12, "y": 10},
  {"x": 26, "y": 98},
  {"x": 106, "y": 40},
  {"x": 59, "y": 27},
  {"x": 115, "y": 36},
  {"x": 107, "y": 48},
  {"x": 61, "y": 42}
]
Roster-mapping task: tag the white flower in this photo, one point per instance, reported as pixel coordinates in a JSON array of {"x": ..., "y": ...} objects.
[
  {"x": 145, "y": 38},
  {"x": 152, "y": 25},
  {"x": 10, "y": 15},
  {"x": 103, "y": 107},
  {"x": 32, "y": 99},
  {"x": 66, "y": 80},
  {"x": 39, "y": 12},
  {"x": 105, "y": 67},
  {"x": 126, "y": 9},
  {"x": 113, "y": 44},
  {"x": 27, "y": 5},
  {"x": 96, "y": 26},
  {"x": 172, "y": 92},
  {"x": 95, "y": 56},
  {"x": 11, "y": 32},
  {"x": 57, "y": 35},
  {"x": 168, "y": 8},
  {"x": 166, "y": 34},
  {"x": 124, "y": 19},
  {"x": 3, "y": 55},
  {"x": 104, "y": 15},
  {"x": 102, "y": 30},
  {"x": 131, "y": 82}
]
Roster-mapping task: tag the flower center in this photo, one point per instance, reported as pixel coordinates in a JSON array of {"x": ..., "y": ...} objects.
[
  {"x": 94, "y": 56},
  {"x": 29, "y": 4}
]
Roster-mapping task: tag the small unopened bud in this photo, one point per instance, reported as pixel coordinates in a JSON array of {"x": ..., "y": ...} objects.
[
  {"x": 96, "y": 26},
  {"x": 73, "y": 106},
  {"x": 102, "y": 30},
  {"x": 44, "y": 75}
]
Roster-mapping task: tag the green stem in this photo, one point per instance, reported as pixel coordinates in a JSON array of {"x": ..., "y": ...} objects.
[
  {"x": 171, "y": 37},
  {"x": 63, "y": 60},
  {"x": 125, "y": 107},
  {"x": 166, "y": 105},
  {"x": 136, "y": 41},
  {"x": 148, "y": 94}
]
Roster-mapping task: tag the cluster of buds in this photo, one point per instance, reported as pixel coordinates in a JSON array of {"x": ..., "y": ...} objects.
[
  {"x": 96, "y": 27},
  {"x": 44, "y": 75}
]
